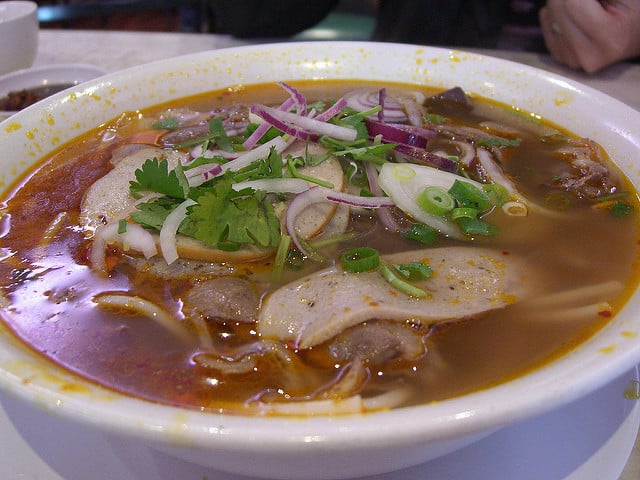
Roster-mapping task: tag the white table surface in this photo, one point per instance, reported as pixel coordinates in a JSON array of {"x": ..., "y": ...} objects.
[{"x": 117, "y": 50}]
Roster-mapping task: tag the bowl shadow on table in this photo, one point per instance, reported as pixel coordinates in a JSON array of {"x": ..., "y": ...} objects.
[{"x": 126, "y": 459}]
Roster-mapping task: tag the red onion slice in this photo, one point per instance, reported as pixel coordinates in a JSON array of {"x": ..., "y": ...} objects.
[
  {"x": 300, "y": 102},
  {"x": 332, "y": 111},
  {"x": 399, "y": 133},
  {"x": 250, "y": 142},
  {"x": 421, "y": 156},
  {"x": 362, "y": 99},
  {"x": 302, "y": 127}
]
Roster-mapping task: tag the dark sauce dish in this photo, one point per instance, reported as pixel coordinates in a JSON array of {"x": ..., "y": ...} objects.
[{"x": 23, "y": 88}]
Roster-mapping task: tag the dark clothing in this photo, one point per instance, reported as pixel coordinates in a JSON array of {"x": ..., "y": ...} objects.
[
  {"x": 473, "y": 23},
  {"x": 268, "y": 19}
]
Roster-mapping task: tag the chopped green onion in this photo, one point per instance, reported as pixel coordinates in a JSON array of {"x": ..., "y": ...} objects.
[
  {"x": 400, "y": 284},
  {"x": 122, "y": 226},
  {"x": 295, "y": 260},
  {"x": 613, "y": 196},
  {"x": 435, "y": 200},
  {"x": 498, "y": 142},
  {"x": 414, "y": 270},
  {"x": 281, "y": 257},
  {"x": 170, "y": 123},
  {"x": 311, "y": 252},
  {"x": 498, "y": 194},
  {"x": 475, "y": 226},
  {"x": 360, "y": 259},
  {"x": 464, "y": 212},
  {"x": 422, "y": 233},
  {"x": 621, "y": 209},
  {"x": 296, "y": 174},
  {"x": 270, "y": 134},
  {"x": 325, "y": 242},
  {"x": 434, "y": 118},
  {"x": 468, "y": 195}
]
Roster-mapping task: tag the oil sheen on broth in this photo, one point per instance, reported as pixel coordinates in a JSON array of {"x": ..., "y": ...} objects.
[{"x": 545, "y": 270}]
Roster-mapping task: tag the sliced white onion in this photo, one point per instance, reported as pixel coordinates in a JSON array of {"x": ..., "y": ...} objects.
[
  {"x": 404, "y": 182},
  {"x": 198, "y": 175},
  {"x": 170, "y": 229},
  {"x": 199, "y": 152},
  {"x": 134, "y": 238},
  {"x": 250, "y": 142},
  {"x": 384, "y": 214},
  {"x": 278, "y": 143}
]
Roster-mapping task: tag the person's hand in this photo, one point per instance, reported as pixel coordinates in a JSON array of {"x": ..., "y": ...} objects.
[{"x": 591, "y": 34}]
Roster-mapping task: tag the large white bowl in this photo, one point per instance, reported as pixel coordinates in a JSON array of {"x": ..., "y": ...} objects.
[{"x": 322, "y": 447}]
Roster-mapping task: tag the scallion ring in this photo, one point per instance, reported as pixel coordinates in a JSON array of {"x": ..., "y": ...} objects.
[
  {"x": 360, "y": 259},
  {"x": 435, "y": 200},
  {"x": 464, "y": 212},
  {"x": 399, "y": 284}
]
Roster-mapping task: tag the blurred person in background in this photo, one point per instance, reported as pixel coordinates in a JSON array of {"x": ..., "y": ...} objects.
[
  {"x": 582, "y": 34},
  {"x": 591, "y": 34}
]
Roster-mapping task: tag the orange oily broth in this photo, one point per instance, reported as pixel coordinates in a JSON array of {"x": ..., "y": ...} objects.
[{"x": 49, "y": 287}]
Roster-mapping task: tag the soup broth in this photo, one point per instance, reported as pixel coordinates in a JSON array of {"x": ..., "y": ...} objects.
[{"x": 199, "y": 332}]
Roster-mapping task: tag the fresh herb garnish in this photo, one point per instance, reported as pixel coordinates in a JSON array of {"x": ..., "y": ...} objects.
[
  {"x": 216, "y": 135},
  {"x": 498, "y": 142},
  {"x": 170, "y": 123},
  {"x": 414, "y": 271},
  {"x": 154, "y": 176},
  {"x": 621, "y": 209},
  {"x": 223, "y": 215}
]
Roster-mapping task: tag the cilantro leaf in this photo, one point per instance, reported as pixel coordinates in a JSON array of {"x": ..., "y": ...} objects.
[
  {"x": 224, "y": 216},
  {"x": 152, "y": 214},
  {"x": 154, "y": 176}
]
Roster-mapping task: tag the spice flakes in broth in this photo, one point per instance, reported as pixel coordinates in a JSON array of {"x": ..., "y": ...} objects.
[{"x": 317, "y": 248}]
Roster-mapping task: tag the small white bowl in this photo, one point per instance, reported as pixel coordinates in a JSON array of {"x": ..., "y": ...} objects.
[
  {"x": 338, "y": 446},
  {"x": 63, "y": 75},
  {"x": 18, "y": 35}
]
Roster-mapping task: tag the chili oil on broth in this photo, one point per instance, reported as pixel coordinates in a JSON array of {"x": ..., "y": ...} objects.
[{"x": 49, "y": 286}]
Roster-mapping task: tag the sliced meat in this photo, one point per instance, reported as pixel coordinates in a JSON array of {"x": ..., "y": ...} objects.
[
  {"x": 377, "y": 343},
  {"x": 108, "y": 197},
  {"x": 224, "y": 298},
  {"x": 466, "y": 282}
]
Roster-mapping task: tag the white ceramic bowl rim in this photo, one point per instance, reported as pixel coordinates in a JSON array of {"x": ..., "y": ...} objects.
[
  {"x": 71, "y": 73},
  {"x": 610, "y": 353}
]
